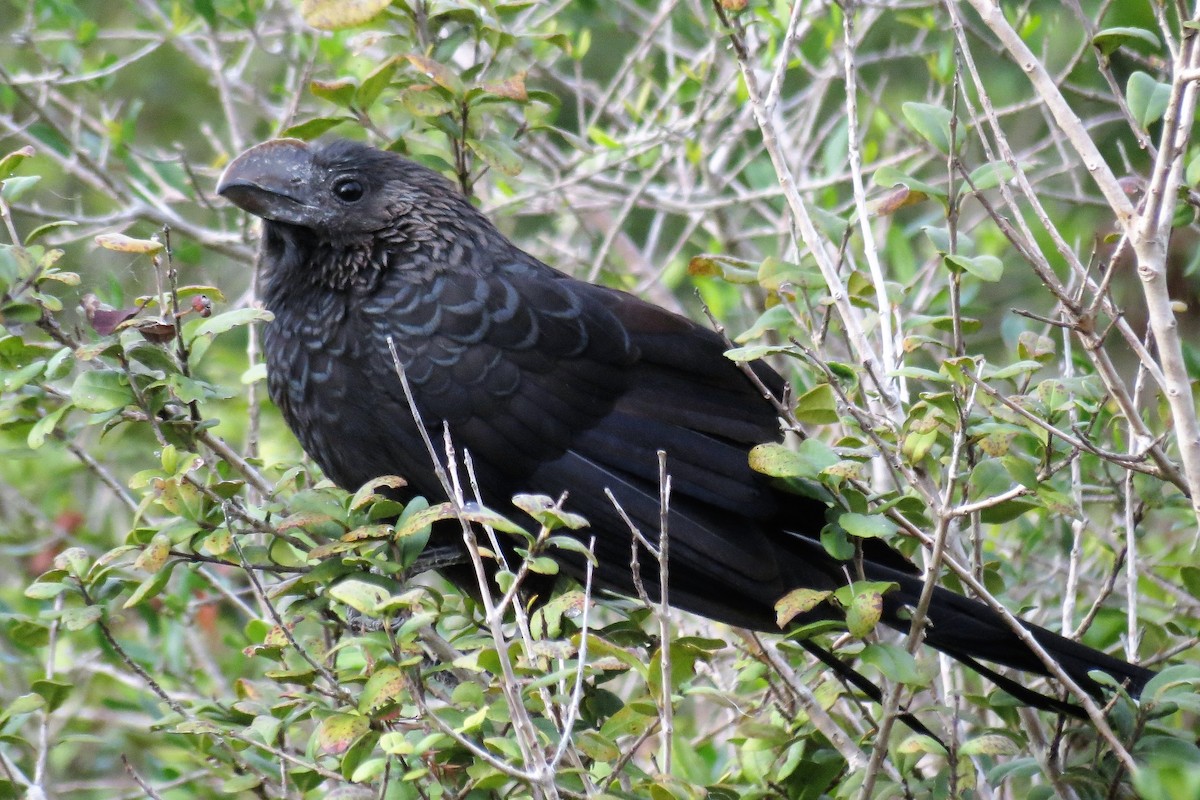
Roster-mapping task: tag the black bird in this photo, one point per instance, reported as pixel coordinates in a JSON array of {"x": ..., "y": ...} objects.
[{"x": 555, "y": 385}]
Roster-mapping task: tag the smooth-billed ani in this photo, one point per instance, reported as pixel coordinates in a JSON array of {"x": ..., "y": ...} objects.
[{"x": 553, "y": 385}]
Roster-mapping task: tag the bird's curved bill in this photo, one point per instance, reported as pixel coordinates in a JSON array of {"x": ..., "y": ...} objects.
[{"x": 273, "y": 180}]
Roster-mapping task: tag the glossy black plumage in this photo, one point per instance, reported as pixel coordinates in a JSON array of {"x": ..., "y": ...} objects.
[{"x": 552, "y": 385}]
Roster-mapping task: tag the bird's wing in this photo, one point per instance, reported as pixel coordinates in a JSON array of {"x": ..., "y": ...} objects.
[
  {"x": 513, "y": 365},
  {"x": 553, "y": 384}
]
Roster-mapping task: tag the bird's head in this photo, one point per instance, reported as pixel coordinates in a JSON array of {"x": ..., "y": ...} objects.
[
  {"x": 339, "y": 190},
  {"x": 338, "y": 211}
]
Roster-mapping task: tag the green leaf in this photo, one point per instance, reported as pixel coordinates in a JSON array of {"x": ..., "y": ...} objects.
[
  {"x": 27, "y": 634},
  {"x": 1055, "y": 394},
  {"x": 13, "y": 264},
  {"x": 1005, "y": 512},
  {"x": 545, "y": 511},
  {"x": 44, "y": 590},
  {"x": 600, "y": 648},
  {"x": 1168, "y": 777},
  {"x": 893, "y": 662},
  {"x": 25, "y": 704},
  {"x": 45, "y": 426},
  {"x": 918, "y": 444},
  {"x": 190, "y": 390},
  {"x": 256, "y": 374},
  {"x": 473, "y": 512},
  {"x": 571, "y": 544},
  {"x": 833, "y": 226},
  {"x": 498, "y": 154},
  {"x": 988, "y": 479},
  {"x": 59, "y": 364},
  {"x": 932, "y": 123},
  {"x": 987, "y": 268},
  {"x": 12, "y": 160},
  {"x": 543, "y": 565},
  {"x": 817, "y": 406},
  {"x": 773, "y": 274},
  {"x": 314, "y": 128},
  {"x": 77, "y": 619},
  {"x": 1058, "y": 503},
  {"x": 427, "y": 101},
  {"x": 837, "y": 543},
  {"x": 238, "y": 784},
  {"x": 18, "y": 313},
  {"x": 1147, "y": 98},
  {"x": 602, "y": 138},
  {"x": 100, "y": 390},
  {"x": 939, "y": 237},
  {"x": 11, "y": 189},
  {"x": 1191, "y": 175},
  {"x": 42, "y": 230},
  {"x": 754, "y": 352},
  {"x": 363, "y": 596},
  {"x": 989, "y": 176},
  {"x": 1021, "y": 470},
  {"x": 1018, "y": 369},
  {"x": 1191, "y": 580},
  {"x": 230, "y": 320},
  {"x": 374, "y": 84},
  {"x": 1109, "y": 40},
  {"x": 152, "y": 586},
  {"x": 339, "y": 92},
  {"x": 866, "y": 526},
  {"x": 53, "y": 692}
]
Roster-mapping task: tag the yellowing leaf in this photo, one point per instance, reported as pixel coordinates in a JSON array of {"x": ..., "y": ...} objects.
[
  {"x": 864, "y": 613},
  {"x": 797, "y": 602},
  {"x": 302, "y": 519},
  {"x": 511, "y": 88},
  {"x": 383, "y": 689},
  {"x": 127, "y": 244},
  {"x": 155, "y": 555},
  {"x": 896, "y": 198},
  {"x": 367, "y": 492},
  {"x": 334, "y": 15},
  {"x": 338, "y": 732},
  {"x": 439, "y": 73}
]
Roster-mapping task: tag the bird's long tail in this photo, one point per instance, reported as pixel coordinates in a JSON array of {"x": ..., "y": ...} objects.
[{"x": 970, "y": 632}]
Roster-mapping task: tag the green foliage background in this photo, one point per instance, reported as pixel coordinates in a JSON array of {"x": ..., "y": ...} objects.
[{"x": 187, "y": 610}]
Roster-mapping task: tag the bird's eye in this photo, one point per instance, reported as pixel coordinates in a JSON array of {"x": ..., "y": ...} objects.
[{"x": 348, "y": 190}]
